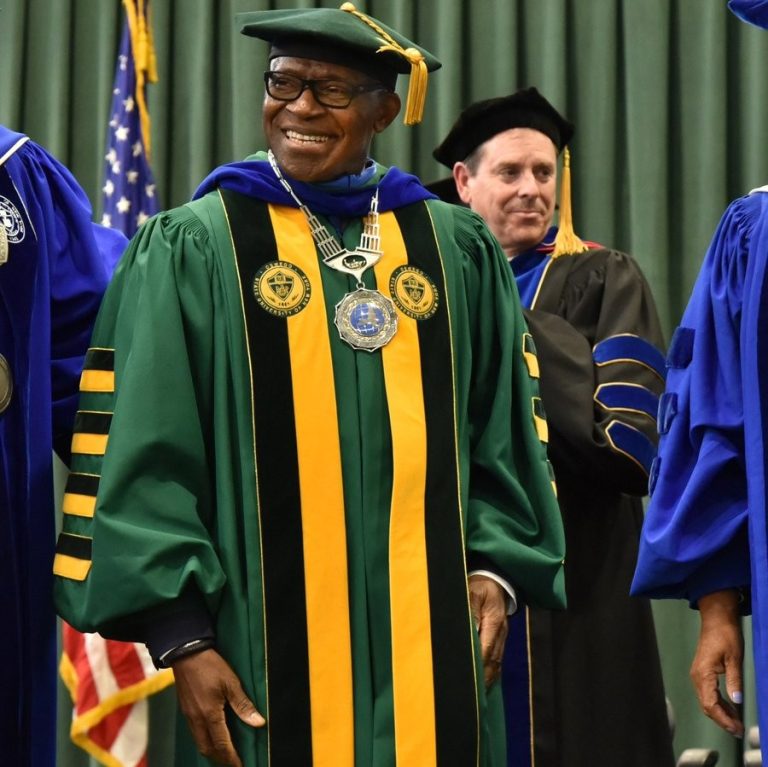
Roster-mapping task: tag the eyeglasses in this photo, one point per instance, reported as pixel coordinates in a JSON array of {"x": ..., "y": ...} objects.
[{"x": 330, "y": 93}]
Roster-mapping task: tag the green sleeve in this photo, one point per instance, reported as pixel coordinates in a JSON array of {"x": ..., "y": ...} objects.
[
  {"x": 151, "y": 528},
  {"x": 514, "y": 525}
]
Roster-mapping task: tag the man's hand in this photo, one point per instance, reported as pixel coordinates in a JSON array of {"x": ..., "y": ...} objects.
[
  {"x": 205, "y": 684},
  {"x": 720, "y": 651},
  {"x": 488, "y": 601}
]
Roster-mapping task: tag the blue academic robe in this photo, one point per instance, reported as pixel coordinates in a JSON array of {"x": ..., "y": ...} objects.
[
  {"x": 58, "y": 264},
  {"x": 705, "y": 528}
]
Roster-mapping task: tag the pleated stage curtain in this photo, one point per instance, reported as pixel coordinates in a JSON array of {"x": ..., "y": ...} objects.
[{"x": 669, "y": 98}]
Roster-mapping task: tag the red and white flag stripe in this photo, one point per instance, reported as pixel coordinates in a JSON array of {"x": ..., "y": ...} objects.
[{"x": 109, "y": 682}]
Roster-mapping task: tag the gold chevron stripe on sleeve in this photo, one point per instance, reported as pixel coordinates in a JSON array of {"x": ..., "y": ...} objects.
[
  {"x": 539, "y": 419},
  {"x": 97, "y": 381},
  {"x": 71, "y": 567},
  {"x": 78, "y": 505},
  {"x": 89, "y": 444},
  {"x": 529, "y": 355}
]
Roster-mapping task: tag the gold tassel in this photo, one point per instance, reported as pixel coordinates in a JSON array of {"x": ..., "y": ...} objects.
[
  {"x": 567, "y": 241},
  {"x": 144, "y": 59},
  {"x": 417, "y": 85}
]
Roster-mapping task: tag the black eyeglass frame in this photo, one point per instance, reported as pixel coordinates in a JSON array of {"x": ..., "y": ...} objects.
[{"x": 353, "y": 91}]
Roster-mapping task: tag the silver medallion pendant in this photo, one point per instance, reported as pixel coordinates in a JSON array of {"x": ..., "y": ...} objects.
[
  {"x": 366, "y": 319},
  {"x": 3, "y": 245}
]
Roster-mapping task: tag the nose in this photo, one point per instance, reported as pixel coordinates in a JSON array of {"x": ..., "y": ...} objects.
[
  {"x": 527, "y": 185},
  {"x": 305, "y": 103}
]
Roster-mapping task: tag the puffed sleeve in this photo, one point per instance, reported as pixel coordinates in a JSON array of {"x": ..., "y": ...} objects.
[
  {"x": 76, "y": 260},
  {"x": 694, "y": 539},
  {"x": 514, "y": 526},
  {"x": 136, "y": 545}
]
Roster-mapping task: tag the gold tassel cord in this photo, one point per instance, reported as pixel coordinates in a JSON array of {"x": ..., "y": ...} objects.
[
  {"x": 567, "y": 242},
  {"x": 417, "y": 86},
  {"x": 145, "y": 60}
]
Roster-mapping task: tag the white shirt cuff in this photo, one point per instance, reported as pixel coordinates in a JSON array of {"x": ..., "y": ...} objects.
[{"x": 511, "y": 595}]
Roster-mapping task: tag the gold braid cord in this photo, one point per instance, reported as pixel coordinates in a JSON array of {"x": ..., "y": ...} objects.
[{"x": 417, "y": 88}]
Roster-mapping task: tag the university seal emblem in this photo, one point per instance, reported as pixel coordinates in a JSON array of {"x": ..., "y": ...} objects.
[
  {"x": 281, "y": 288},
  {"x": 11, "y": 222},
  {"x": 413, "y": 292}
]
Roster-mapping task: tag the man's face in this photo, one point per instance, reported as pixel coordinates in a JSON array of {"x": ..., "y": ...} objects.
[
  {"x": 313, "y": 142},
  {"x": 514, "y": 187}
]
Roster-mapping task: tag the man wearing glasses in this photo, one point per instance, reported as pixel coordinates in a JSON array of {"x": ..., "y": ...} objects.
[{"x": 320, "y": 476}]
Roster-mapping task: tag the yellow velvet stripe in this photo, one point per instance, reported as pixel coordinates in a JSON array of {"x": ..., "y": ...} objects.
[
  {"x": 71, "y": 567},
  {"x": 89, "y": 444},
  {"x": 79, "y": 505},
  {"x": 413, "y": 686},
  {"x": 97, "y": 381},
  {"x": 532, "y": 361},
  {"x": 322, "y": 504},
  {"x": 539, "y": 419}
]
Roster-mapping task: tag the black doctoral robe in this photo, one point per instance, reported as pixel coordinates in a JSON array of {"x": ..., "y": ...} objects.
[{"x": 590, "y": 676}]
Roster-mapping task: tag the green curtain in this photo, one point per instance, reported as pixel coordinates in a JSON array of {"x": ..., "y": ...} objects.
[{"x": 669, "y": 98}]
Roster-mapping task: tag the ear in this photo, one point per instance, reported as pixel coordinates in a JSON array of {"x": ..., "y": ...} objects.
[
  {"x": 461, "y": 176},
  {"x": 389, "y": 108}
]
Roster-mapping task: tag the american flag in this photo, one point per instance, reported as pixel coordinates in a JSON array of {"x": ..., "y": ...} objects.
[
  {"x": 109, "y": 681},
  {"x": 129, "y": 197}
]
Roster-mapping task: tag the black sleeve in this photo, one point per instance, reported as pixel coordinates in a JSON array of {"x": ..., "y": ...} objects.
[{"x": 601, "y": 373}]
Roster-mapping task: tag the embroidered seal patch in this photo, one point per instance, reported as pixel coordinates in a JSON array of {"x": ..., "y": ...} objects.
[
  {"x": 11, "y": 221},
  {"x": 413, "y": 292},
  {"x": 281, "y": 288}
]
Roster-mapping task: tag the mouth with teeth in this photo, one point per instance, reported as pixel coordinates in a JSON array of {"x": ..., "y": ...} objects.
[{"x": 305, "y": 138}]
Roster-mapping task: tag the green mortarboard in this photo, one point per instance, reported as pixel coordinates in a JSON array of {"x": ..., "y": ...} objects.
[
  {"x": 484, "y": 119},
  {"x": 350, "y": 38}
]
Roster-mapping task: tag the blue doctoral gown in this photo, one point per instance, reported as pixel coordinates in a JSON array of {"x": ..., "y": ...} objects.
[
  {"x": 705, "y": 528},
  {"x": 58, "y": 264}
]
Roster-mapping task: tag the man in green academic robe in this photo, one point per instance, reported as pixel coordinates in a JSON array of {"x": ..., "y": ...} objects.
[{"x": 309, "y": 470}]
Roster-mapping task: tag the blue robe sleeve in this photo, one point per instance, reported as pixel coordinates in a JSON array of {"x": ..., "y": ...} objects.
[
  {"x": 57, "y": 267},
  {"x": 81, "y": 258},
  {"x": 694, "y": 540}
]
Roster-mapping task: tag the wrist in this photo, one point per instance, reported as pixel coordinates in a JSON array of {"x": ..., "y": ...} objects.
[
  {"x": 192, "y": 647},
  {"x": 720, "y": 607}
]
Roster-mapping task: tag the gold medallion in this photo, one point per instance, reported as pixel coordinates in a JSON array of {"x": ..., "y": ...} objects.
[
  {"x": 281, "y": 288},
  {"x": 413, "y": 292},
  {"x": 6, "y": 384}
]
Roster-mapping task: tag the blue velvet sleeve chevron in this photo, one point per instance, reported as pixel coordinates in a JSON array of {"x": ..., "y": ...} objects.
[
  {"x": 629, "y": 348},
  {"x": 620, "y": 397}
]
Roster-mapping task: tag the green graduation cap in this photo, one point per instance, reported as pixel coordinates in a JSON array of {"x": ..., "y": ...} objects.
[{"x": 350, "y": 38}]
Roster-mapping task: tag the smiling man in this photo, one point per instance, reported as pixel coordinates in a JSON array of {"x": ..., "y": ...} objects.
[
  {"x": 583, "y": 687},
  {"x": 310, "y": 470}
]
